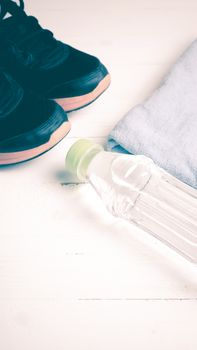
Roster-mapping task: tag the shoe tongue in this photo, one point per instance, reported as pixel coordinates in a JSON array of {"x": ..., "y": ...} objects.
[
  {"x": 49, "y": 56},
  {"x": 13, "y": 30}
]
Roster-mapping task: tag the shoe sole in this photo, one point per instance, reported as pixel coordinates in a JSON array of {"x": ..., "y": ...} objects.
[
  {"x": 18, "y": 157},
  {"x": 70, "y": 104}
]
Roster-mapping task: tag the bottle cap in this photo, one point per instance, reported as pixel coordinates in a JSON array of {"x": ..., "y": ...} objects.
[{"x": 79, "y": 156}]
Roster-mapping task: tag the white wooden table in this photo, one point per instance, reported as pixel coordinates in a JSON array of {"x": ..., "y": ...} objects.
[{"x": 72, "y": 276}]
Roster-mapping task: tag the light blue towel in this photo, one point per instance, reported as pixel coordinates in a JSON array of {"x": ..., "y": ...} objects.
[{"x": 164, "y": 127}]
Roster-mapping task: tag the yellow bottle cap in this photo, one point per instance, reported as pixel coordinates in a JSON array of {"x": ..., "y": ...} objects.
[{"x": 80, "y": 155}]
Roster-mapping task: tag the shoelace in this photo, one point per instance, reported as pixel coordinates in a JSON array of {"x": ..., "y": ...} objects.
[
  {"x": 34, "y": 45},
  {"x": 10, "y": 6}
]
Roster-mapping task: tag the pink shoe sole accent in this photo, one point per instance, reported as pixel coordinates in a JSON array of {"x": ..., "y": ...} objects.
[
  {"x": 17, "y": 157},
  {"x": 72, "y": 103}
]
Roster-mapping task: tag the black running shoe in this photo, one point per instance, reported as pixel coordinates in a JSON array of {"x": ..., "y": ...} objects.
[
  {"x": 29, "y": 125},
  {"x": 47, "y": 66}
]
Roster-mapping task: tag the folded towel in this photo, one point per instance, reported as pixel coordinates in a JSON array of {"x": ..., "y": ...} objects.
[{"x": 164, "y": 127}]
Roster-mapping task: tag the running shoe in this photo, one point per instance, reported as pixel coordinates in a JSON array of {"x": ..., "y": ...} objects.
[
  {"x": 49, "y": 67},
  {"x": 29, "y": 125}
]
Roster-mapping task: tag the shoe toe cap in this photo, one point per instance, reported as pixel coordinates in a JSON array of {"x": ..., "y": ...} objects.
[
  {"x": 80, "y": 74},
  {"x": 36, "y": 137}
]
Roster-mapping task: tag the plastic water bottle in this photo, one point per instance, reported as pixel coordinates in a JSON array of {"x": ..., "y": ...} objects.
[{"x": 134, "y": 188}]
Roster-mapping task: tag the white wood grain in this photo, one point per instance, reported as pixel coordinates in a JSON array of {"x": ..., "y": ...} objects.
[
  {"x": 72, "y": 276},
  {"x": 59, "y": 324}
]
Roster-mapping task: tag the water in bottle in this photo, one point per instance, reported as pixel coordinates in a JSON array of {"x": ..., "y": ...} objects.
[{"x": 134, "y": 188}]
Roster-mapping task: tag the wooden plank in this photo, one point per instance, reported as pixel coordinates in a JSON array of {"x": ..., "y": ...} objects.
[{"x": 61, "y": 324}]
